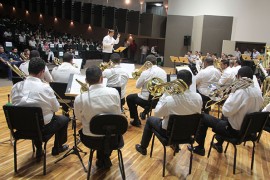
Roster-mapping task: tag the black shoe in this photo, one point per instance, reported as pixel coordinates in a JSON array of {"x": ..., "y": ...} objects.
[
  {"x": 39, "y": 154},
  {"x": 217, "y": 147},
  {"x": 142, "y": 116},
  {"x": 175, "y": 148},
  {"x": 136, "y": 123},
  {"x": 56, "y": 151},
  {"x": 197, "y": 150},
  {"x": 104, "y": 164},
  {"x": 140, "y": 149}
]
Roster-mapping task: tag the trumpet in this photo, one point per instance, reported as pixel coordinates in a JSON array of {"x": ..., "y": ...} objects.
[
  {"x": 137, "y": 73},
  {"x": 222, "y": 93},
  {"x": 106, "y": 65},
  {"x": 84, "y": 86},
  {"x": 157, "y": 87}
]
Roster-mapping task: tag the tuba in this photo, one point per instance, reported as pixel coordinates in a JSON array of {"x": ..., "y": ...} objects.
[
  {"x": 137, "y": 73},
  {"x": 157, "y": 87},
  {"x": 84, "y": 86},
  {"x": 106, "y": 65},
  {"x": 222, "y": 93}
]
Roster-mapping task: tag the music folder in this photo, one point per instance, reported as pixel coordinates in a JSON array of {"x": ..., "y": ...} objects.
[
  {"x": 174, "y": 59},
  {"x": 246, "y": 57},
  {"x": 184, "y": 60},
  {"x": 260, "y": 57},
  {"x": 120, "y": 49}
]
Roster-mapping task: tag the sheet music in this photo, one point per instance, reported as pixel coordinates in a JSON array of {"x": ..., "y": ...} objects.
[
  {"x": 61, "y": 53},
  {"x": 8, "y": 44},
  {"x": 78, "y": 63},
  {"x": 193, "y": 84},
  {"x": 73, "y": 88},
  {"x": 129, "y": 68}
]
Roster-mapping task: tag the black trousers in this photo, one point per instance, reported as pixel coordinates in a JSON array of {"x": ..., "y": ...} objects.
[
  {"x": 205, "y": 99},
  {"x": 220, "y": 126},
  {"x": 133, "y": 100},
  {"x": 151, "y": 123},
  {"x": 106, "y": 57},
  {"x": 97, "y": 143},
  {"x": 57, "y": 126}
]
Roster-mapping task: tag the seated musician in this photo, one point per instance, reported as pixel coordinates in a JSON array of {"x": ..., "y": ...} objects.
[
  {"x": 178, "y": 104},
  {"x": 62, "y": 72},
  {"x": 25, "y": 55},
  {"x": 117, "y": 77},
  {"x": 34, "y": 92},
  {"x": 13, "y": 55},
  {"x": 228, "y": 75},
  {"x": 237, "y": 105},
  {"x": 24, "y": 66},
  {"x": 99, "y": 99},
  {"x": 141, "y": 99},
  {"x": 3, "y": 62},
  {"x": 236, "y": 67},
  {"x": 207, "y": 76}
]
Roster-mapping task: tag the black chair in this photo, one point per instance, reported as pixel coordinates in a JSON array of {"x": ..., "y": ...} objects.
[
  {"x": 251, "y": 130},
  {"x": 60, "y": 90},
  {"x": 16, "y": 79},
  {"x": 108, "y": 124},
  {"x": 181, "y": 130},
  {"x": 26, "y": 123}
]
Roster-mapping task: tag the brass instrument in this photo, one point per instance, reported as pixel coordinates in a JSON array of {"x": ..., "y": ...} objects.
[
  {"x": 106, "y": 65},
  {"x": 84, "y": 86},
  {"x": 157, "y": 87},
  {"x": 223, "y": 92},
  {"x": 266, "y": 91},
  {"x": 137, "y": 73},
  {"x": 57, "y": 61},
  {"x": 217, "y": 64},
  {"x": 17, "y": 70},
  {"x": 25, "y": 58}
]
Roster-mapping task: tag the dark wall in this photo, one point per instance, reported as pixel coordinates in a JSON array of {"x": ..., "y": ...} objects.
[
  {"x": 215, "y": 30},
  {"x": 159, "y": 26},
  {"x": 177, "y": 28}
]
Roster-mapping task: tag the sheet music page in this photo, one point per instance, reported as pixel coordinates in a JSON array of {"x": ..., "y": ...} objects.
[
  {"x": 76, "y": 87},
  {"x": 78, "y": 63},
  {"x": 193, "y": 85},
  {"x": 129, "y": 68}
]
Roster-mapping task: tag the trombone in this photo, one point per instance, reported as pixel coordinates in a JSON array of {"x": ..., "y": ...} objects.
[
  {"x": 84, "y": 86},
  {"x": 106, "y": 65},
  {"x": 137, "y": 73}
]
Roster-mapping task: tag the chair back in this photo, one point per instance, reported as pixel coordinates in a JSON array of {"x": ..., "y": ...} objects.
[
  {"x": 16, "y": 79},
  {"x": 253, "y": 123},
  {"x": 182, "y": 127},
  {"x": 108, "y": 123},
  {"x": 24, "y": 119}
]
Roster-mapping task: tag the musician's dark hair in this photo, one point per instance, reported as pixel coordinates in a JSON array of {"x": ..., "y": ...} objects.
[
  {"x": 36, "y": 65},
  {"x": 67, "y": 57},
  {"x": 209, "y": 61},
  {"x": 245, "y": 71},
  {"x": 152, "y": 59},
  {"x": 14, "y": 48},
  {"x": 115, "y": 58},
  {"x": 238, "y": 61},
  {"x": 225, "y": 61},
  {"x": 34, "y": 53},
  {"x": 93, "y": 74},
  {"x": 185, "y": 75}
]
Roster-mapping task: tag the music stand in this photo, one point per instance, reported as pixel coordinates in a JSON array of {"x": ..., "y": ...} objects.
[
  {"x": 75, "y": 149},
  {"x": 120, "y": 49},
  {"x": 246, "y": 57},
  {"x": 174, "y": 59},
  {"x": 184, "y": 60}
]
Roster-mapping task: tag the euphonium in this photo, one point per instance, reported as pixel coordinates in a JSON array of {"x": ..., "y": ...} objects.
[
  {"x": 106, "y": 65},
  {"x": 84, "y": 86},
  {"x": 157, "y": 87},
  {"x": 24, "y": 57},
  {"x": 137, "y": 73},
  {"x": 223, "y": 92},
  {"x": 57, "y": 61}
]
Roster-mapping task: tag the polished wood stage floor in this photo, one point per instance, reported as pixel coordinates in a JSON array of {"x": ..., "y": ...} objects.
[{"x": 218, "y": 166}]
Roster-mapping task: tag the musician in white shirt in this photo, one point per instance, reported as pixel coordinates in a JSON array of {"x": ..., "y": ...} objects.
[
  {"x": 107, "y": 45},
  {"x": 255, "y": 53},
  {"x": 63, "y": 72},
  {"x": 117, "y": 76},
  {"x": 178, "y": 104},
  {"x": 34, "y": 92},
  {"x": 237, "y": 53},
  {"x": 99, "y": 99},
  {"x": 237, "y": 105},
  {"x": 236, "y": 67},
  {"x": 207, "y": 76},
  {"x": 228, "y": 75},
  {"x": 24, "y": 66},
  {"x": 141, "y": 99}
]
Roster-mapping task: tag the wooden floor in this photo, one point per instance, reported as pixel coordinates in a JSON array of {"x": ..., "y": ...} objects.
[{"x": 218, "y": 166}]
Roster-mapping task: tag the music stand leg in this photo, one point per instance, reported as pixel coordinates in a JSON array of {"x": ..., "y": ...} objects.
[{"x": 75, "y": 149}]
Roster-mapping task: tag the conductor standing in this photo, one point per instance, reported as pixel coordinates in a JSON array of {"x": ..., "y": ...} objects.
[{"x": 108, "y": 43}]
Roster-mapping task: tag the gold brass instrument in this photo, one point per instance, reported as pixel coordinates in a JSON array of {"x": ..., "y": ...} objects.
[
  {"x": 106, "y": 65},
  {"x": 157, "y": 87},
  {"x": 57, "y": 61},
  {"x": 16, "y": 70},
  {"x": 217, "y": 64},
  {"x": 84, "y": 86},
  {"x": 266, "y": 91},
  {"x": 25, "y": 58},
  {"x": 137, "y": 73},
  {"x": 223, "y": 92}
]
